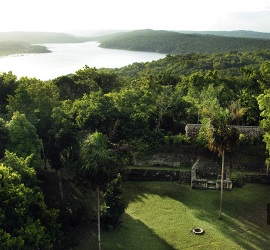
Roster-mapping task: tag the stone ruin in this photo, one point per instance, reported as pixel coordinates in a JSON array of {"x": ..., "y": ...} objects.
[
  {"x": 205, "y": 183},
  {"x": 192, "y": 130}
]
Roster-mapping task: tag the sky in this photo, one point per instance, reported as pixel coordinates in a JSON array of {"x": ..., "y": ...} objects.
[{"x": 80, "y": 15}]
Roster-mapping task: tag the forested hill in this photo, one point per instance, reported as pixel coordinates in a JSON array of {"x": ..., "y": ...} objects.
[
  {"x": 41, "y": 37},
  {"x": 233, "y": 33},
  {"x": 169, "y": 42},
  {"x": 15, "y": 47}
]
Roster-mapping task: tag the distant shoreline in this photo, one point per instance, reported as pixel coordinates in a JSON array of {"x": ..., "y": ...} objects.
[{"x": 8, "y": 48}]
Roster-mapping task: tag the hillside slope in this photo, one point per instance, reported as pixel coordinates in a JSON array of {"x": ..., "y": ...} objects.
[
  {"x": 41, "y": 37},
  {"x": 233, "y": 33},
  {"x": 170, "y": 42},
  {"x": 15, "y": 47}
]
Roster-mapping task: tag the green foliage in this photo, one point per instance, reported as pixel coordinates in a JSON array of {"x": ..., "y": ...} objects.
[
  {"x": 237, "y": 180},
  {"x": 114, "y": 203},
  {"x": 3, "y": 137},
  {"x": 180, "y": 139},
  {"x": 36, "y": 100},
  {"x": 23, "y": 102},
  {"x": 264, "y": 105},
  {"x": 169, "y": 42},
  {"x": 23, "y": 139},
  {"x": 219, "y": 134},
  {"x": 21, "y": 165},
  {"x": 265, "y": 75},
  {"x": 8, "y": 176},
  {"x": 8, "y": 85},
  {"x": 96, "y": 159},
  {"x": 25, "y": 221}
]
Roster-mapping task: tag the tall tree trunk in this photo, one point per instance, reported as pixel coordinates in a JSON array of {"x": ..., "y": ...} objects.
[
  {"x": 44, "y": 156},
  {"x": 60, "y": 182},
  {"x": 98, "y": 214},
  {"x": 221, "y": 183}
]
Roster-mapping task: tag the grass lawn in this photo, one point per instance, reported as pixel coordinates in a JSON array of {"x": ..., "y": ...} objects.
[{"x": 161, "y": 215}]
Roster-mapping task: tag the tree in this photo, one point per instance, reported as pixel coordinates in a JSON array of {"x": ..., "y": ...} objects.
[
  {"x": 8, "y": 84},
  {"x": 163, "y": 102},
  {"x": 236, "y": 112},
  {"x": 23, "y": 102},
  {"x": 25, "y": 220},
  {"x": 22, "y": 167},
  {"x": 96, "y": 111},
  {"x": 265, "y": 75},
  {"x": 3, "y": 137},
  {"x": 96, "y": 161},
  {"x": 114, "y": 203},
  {"x": 220, "y": 137},
  {"x": 36, "y": 99},
  {"x": 264, "y": 105},
  {"x": 64, "y": 146},
  {"x": 66, "y": 87},
  {"x": 23, "y": 139},
  {"x": 84, "y": 80}
]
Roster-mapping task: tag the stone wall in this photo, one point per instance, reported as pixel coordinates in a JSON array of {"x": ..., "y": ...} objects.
[
  {"x": 259, "y": 179},
  {"x": 165, "y": 159},
  {"x": 182, "y": 176},
  {"x": 209, "y": 163},
  {"x": 192, "y": 130}
]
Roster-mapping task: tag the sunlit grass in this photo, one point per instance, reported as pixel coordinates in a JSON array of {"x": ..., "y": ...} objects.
[{"x": 161, "y": 215}]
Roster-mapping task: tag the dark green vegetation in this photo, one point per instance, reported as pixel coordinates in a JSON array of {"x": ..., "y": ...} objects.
[
  {"x": 143, "y": 107},
  {"x": 12, "y": 47},
  {"x": 25, "y": 222},
  {"x": 169, "y": 42},
  {"x": 234, "y": 33}
]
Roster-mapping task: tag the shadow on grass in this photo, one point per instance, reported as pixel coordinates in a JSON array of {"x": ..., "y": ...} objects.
[
  {"x": 133, "y": 235},
  {"x": 245, "y": 234},
  {"x": 244, "y": 218}
]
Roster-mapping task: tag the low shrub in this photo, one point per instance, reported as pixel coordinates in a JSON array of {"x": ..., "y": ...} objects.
[
  {"x": 237, "y": 180},
  {"x": 181, "y": 139}
]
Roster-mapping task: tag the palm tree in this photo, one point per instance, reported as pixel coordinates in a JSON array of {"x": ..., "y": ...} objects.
[
  {"x": 220, "y": 137},
  {"x": 236, "y": 112},
  {"x": 96, "y": 160}
]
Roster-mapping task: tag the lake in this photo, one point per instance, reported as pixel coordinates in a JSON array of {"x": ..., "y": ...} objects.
[{"x": 69, "y": 57}]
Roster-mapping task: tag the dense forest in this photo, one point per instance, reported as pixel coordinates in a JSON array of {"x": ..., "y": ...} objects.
[
  {"x": 136, "y": 108},
  {"x": 233, "y": 33},
  {"x": 170, "y": 42}
]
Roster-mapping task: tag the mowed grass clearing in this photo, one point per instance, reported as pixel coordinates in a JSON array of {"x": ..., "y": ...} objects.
[{"x": 161, "y": 215}]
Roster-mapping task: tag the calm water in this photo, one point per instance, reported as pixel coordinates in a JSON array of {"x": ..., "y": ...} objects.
[{"x": 68, "y": 58}]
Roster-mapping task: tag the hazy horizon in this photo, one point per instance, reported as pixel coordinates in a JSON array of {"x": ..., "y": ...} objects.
[
  {"x": 82, "y": 16},
  {"x": 100, "y": 32}
]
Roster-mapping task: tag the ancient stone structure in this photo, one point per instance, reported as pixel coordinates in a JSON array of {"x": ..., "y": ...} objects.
[
  {"x": 250, "y": 132},
  {"x": 182, "y": 176},
  {"x": 203, "y": 183}
]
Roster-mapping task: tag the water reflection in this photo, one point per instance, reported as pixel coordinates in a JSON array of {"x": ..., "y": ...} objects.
[{"x": 68, "y": 58}]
